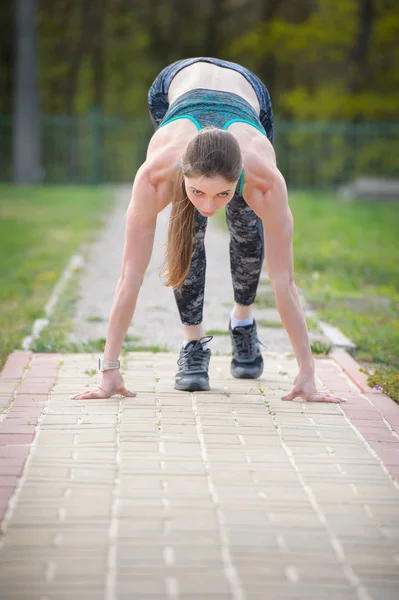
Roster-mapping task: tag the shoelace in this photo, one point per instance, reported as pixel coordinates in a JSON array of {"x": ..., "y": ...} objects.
[
  {"x": 194, "y": 356},
  {"x": 245, "y": 341}
]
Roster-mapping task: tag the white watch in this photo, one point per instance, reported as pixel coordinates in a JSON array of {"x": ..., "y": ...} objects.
[{"x": 104, "y": 365}]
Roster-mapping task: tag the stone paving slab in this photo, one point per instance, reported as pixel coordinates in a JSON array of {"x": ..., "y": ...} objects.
[{"x": 231, "y": 493}]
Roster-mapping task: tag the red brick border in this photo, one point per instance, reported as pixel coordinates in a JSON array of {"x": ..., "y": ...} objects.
[
  {"x": 373, "y": 413},
  {"x": 15, "y": 365},
  {"x": 32, "y": 377}
]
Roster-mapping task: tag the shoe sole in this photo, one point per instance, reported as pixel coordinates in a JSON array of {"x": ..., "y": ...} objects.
[
  {"x": 193, "y": 387},
  {"x": 247, "y": 375}
]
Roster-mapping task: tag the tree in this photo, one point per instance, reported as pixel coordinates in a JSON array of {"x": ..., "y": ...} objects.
[{"x": 26, "y": 123}]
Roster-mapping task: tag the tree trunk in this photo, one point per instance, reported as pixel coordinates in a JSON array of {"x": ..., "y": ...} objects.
[
  {"x": 77, "y": 55},
  {"x": 26, "y": 118},
  {"x": 6, "y": 58},
  {"x": 268, "y": 68},
  {"x": 359, "y": 52},
  {"x": 97, "y": 68},
  {"x": 98, "y": 53},
  {"x": 213, "y": 29}
]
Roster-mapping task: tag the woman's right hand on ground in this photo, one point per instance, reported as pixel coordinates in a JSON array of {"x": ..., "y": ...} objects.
[{"x": 111, "y": 383}]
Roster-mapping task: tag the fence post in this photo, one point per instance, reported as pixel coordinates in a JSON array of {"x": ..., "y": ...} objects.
[{"x": 94, "y": 120}]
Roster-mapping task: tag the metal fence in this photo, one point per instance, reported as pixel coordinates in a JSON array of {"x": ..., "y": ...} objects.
[{"x": 96, "y": 149}]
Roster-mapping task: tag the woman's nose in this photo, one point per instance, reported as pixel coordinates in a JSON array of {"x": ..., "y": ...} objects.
[{"x": 209, "y": 205}]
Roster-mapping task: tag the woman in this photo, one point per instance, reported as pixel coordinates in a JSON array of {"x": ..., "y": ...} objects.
[{"x": 212, "y": 149}]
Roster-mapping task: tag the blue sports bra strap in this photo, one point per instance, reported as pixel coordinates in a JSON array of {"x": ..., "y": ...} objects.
[{"x": 241, "y": 183}]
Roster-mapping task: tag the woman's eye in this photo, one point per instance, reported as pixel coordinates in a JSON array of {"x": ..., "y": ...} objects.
[
  {"x": 195, "y": 192},
  {"x": 224, "y": 194}
]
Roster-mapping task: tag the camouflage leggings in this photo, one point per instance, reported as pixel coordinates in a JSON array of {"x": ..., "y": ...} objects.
[{"x": 246, "y": 259}]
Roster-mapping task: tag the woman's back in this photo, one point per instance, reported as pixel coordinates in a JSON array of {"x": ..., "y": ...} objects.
[{"x": 205, "y": 75}]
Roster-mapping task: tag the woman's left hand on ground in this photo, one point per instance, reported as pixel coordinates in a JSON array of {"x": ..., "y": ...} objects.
[{"x": 304, "y": 387}]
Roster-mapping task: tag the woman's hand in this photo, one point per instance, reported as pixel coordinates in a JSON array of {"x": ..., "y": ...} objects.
[
  {"x": 304, "y": 387},
  {"x": 111, "y": 383}
]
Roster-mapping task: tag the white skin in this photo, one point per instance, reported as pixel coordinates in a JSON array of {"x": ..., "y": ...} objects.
[{"x": 264, "y": 191}]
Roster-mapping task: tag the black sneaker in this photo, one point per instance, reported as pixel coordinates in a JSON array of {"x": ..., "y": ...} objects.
[
  {"x": 247, "y": 361},
  {"x": 193, "y": 362}
]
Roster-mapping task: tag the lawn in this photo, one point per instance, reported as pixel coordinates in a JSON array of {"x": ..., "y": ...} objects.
[
  {"x": 40, "y": 229},
  {"x": 346, "y": 264}
]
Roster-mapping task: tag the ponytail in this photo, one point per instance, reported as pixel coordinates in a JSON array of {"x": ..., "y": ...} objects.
[{"x": 179, "y": 247}]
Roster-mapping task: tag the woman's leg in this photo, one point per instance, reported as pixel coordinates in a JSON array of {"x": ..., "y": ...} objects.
[
  {"x": 194, "y": 356},
  {"x": 246, "y": 253},
  {"x": 246, "y": 259},
  {"x": 190, "y": 300}
]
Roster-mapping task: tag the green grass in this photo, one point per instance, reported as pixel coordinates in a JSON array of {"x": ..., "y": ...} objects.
[
  {"x": 265, "y": 300},
  {"x": 311, "y": 324},
  {"x": 346, "y": 264},
  {"x": 40, "y": 229},
  {"x": 272, "y": 324},
  {"x": 217, "y": 332}
]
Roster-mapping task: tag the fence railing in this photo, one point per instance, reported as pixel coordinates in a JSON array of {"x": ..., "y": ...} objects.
[{"x": 96, "y": 149}]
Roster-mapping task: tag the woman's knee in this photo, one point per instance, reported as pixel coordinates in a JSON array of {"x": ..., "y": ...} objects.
[{"x": 242, "y": 221}]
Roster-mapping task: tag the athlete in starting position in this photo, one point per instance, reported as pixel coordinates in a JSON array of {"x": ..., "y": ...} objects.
[{"x": 212, "y": 148}]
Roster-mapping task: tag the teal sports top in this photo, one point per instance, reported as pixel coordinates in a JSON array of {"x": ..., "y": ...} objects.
[{"x": 213, "y": 107}]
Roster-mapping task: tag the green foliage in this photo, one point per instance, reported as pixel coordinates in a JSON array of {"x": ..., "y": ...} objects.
[
  {"x": 316, "y": 75},
  {"x": 320, "y": 348},
  {"x": 385, "y": 379},
  {"x": 324, "y": 60},
  {"x": 108, "y": 53}
]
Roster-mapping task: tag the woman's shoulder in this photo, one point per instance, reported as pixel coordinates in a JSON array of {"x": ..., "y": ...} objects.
[
  {"x": 165, "y": 151},
  {"x": 161, "y": 163},
  {"x": 261, "y": 174},
  {"x": 258, "y": 165}
]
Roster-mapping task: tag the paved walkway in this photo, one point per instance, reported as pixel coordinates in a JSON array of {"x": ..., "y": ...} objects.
[
  {"x": 231, "y": 494},
  {"x": 156, "y": 320},
  {"x": 228, "y": 494}
]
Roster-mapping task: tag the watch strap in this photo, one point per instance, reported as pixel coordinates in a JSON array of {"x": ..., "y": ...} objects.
[{"x": 104, "y": 364}]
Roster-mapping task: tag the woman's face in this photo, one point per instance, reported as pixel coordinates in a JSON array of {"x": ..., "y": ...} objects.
[{"x": 209, "y": 194}]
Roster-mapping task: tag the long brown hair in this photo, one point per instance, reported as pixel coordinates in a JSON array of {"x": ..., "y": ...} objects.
[{"x": 212, "y": 152}]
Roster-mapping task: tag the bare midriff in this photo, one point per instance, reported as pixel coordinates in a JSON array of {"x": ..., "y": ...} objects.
[{"x": 212, "y": 77}]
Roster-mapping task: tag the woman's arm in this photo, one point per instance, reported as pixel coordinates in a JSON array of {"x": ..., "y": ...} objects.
[
  {"x": 148, "y": 199},
  {"x": 141, "y": 218},
  {"x": 278, "y": 229},
  {"x": 272, "y": 207}
]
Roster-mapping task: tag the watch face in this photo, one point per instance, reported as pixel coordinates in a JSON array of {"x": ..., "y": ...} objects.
[{"x": 104, "y": 364}]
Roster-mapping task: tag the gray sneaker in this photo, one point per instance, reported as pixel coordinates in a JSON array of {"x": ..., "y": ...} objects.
[
  {"x": 247, "y": 361},
  {"x": 192, "y": 375}
]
